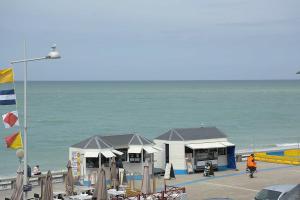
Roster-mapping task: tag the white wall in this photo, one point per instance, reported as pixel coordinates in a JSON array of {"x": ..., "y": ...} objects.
[
  {"x": 159, "y": 157},
  {"x": 177, "y": 155}
]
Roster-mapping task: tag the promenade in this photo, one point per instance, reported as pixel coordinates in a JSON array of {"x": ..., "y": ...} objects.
[{"x": 232, "y": 184}]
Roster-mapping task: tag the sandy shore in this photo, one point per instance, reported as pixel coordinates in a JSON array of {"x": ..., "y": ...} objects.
[{"x": 234, "y": 184}]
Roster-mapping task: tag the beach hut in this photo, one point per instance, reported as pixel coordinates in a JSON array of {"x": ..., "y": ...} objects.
[
  {"x": 136, "y": 150},
  {"x": 188, "y": 149},
  {"x": 87, "y": 155},
  {"x": 130, "y": 149}
]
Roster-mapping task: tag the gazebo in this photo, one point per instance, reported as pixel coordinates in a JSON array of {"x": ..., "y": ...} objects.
[
  {"x": 88, "y": 155},
  {"x": 130, "y": 149},
  {"x": 188, "y": 149}
]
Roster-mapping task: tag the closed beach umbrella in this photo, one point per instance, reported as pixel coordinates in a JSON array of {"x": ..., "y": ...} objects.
[
  {"x": 113, "y": 173},
  {"x": 100, "y": 188},
  {"x": 18, "y": 186},
  {"x": 48, "y": 190},
  {"x": 146, "y": 188},
  {"x": 69, "y": 180}
]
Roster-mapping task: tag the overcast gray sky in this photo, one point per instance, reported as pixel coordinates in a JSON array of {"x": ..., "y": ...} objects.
[{"x": 154, "y": 39}]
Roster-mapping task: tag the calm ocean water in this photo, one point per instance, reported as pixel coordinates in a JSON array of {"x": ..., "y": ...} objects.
[{"x": 63, "y": 113}]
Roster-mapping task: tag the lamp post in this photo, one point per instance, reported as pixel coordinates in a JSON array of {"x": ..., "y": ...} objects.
[
  {"x": 52, "y": 55},
  {"x": 20, "y": 155}
]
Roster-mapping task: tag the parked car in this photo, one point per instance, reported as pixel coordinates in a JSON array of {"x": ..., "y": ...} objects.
[
  {"x": 293, "y": 194},
  {"x": 274, "y": 192}
]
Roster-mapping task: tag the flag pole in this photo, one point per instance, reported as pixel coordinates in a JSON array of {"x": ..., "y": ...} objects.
[
  {"x": 54, "y": 54},
  {"x": 25, "y": 121}
]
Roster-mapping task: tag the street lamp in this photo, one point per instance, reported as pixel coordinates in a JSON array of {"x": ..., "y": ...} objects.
[
  {"x": 52, "y": 55},
  {"x": 298, "y": 72},
  {"x": 20, "y": 155}
]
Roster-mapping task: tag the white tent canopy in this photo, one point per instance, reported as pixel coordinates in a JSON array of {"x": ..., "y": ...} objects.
[
  {"x": 117, "y": 152},
  {"x": 108, "y": 154},
  {"x": 206, "y": 145},
  {"x": 138, "y": 149},
  {"x": 227, "y": 144},
  {"x": 150, "y": 149},
  {"x": 135, "y": 149},
  {"x": 91, "y": 154}
]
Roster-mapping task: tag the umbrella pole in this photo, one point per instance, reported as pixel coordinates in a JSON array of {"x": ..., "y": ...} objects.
[
  {"x": 154, "y": 184},
  {"x": 42, "y": 185}
]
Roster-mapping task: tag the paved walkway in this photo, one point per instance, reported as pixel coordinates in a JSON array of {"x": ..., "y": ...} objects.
[
  {"x": 236, "y": 184},
  {"x": 233, "y": 184}
]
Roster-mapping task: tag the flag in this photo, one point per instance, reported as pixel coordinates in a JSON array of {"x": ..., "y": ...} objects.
[
  {"x": 14, "y": 141},
  {"x": 6, "y": 75},
  {"x": 7, "y": 97},
  {"x": 10, "y": 119}
]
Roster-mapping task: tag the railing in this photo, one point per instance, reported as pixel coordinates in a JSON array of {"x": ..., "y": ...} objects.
[{"x": 57, "y": 177}]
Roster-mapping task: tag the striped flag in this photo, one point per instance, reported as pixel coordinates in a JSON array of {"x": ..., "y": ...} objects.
[
  {"x": 6, "y": 75},
  {"x": 10, "y": 119},
  {"x": 7, "y": 97},
  {"x": 14, "y": 141}
]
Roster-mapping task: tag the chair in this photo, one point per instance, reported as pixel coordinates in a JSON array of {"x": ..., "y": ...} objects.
[{"x": 36, "y": 196}]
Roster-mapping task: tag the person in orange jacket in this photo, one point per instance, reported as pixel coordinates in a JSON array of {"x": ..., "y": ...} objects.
[{"x": 251, "y": 165}]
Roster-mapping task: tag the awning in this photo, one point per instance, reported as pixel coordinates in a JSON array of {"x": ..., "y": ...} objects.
[
  {"x": 91, "y": 154},
  {"x": 227, "y": 144},
  {"x": 206, "y": 145},
  {"x": 117, "y": 152},
  {"x": 135, "y": 149},
  {"x": 108, "y": 154},
  {"x": 149, "y": 149},
  {"x": 158, "y": 148}
]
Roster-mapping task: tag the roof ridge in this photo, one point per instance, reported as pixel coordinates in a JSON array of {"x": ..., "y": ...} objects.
[
  {"x": 90, "y": 140},
  {"x": 171, "y": 134},
  {"x": 147, "y": 139},
  {"x": 104, "y": 142},
  {"x": 178, "y": 134},
  {"x": 131, "y": 139},
  {"x": 140, "y": 139},
  {"x": 99, "y": 146}
]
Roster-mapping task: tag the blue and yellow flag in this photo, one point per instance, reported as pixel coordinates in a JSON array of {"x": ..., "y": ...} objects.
[{"x": 6, "y": 75}]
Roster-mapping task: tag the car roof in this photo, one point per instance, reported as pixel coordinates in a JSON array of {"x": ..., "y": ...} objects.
[{"x": 280, "y": 188}]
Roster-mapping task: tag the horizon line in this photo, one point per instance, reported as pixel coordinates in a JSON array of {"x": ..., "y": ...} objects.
[{"x": 158, "y": 80}]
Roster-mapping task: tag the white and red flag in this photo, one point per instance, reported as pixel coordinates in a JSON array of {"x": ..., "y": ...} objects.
[{"x": 10, "y": 119}]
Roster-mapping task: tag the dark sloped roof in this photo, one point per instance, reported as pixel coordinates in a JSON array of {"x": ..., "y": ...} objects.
[
  {"x": 118, "y": 141},
  {"x": 94, "y": 142},
  {"x": 115, "y": 141},
  {"x": 185, "y": 134},
  {"x": 123, "y": 141}
]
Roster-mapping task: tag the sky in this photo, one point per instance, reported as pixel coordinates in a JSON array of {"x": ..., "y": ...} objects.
[{"x": 153, "y": 39}]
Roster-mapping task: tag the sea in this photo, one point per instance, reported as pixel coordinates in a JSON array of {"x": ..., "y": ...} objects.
[{"x": 60, "y": 114}]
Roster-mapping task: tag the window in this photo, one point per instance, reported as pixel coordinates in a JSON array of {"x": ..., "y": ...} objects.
[
  {"x": 201, "y": 154},
  {"x": 222, "y": 151},
  {"x": 267, "y": 194},
  {"x": 213, "y": 154},
  {"x": 104, "y": 161},
  {"x": 92, "y": 162},
  {"x": 123, "y": 157},
  {"x": 135, "y": 157},
  {"x": 167, "y": 152}
]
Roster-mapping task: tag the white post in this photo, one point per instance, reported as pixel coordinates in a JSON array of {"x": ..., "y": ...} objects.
[
  {"x": 25, "y": 180},
  {"x": 99, "y": 155},
  {"x": 142, "y": 161}
]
